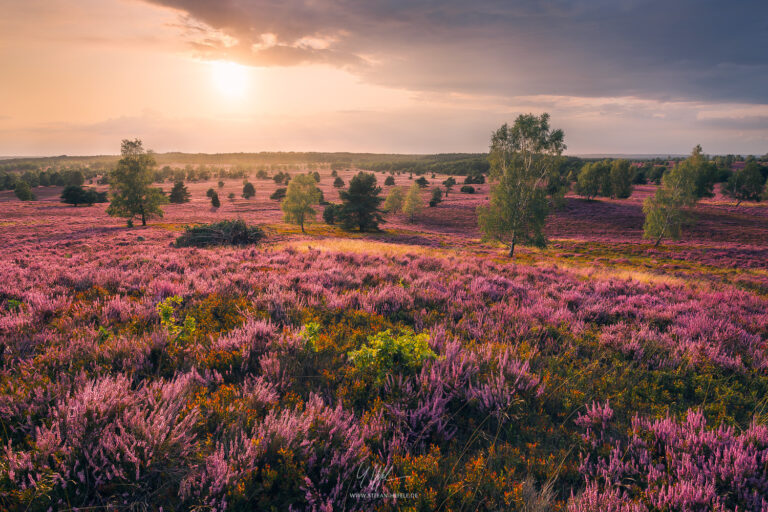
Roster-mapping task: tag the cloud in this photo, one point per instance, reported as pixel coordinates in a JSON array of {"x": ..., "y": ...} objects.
[{"x": 687, "y": 49}]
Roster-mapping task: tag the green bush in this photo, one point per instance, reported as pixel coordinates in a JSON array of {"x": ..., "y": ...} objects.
[
  {"x": 226, "y": 232},
  {"x": 387, "y": 353},
  {"x": 468, "y": 189}
]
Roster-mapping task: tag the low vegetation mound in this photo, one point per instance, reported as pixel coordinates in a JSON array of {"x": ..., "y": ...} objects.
[{"x": 226, "y": 232}]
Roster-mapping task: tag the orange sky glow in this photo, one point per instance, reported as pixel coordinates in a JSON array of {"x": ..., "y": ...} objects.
[{"x": 80, "y": 76}]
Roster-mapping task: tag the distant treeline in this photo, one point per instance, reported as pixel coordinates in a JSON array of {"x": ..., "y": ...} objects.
[{"x": 73, "y": 170}]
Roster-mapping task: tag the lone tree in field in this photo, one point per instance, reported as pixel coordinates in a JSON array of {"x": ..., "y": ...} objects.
[
  {"x": 338, "y": 182},
  {"x": 215, "y": 202},
  {"x": 437, "y": 197},
  {"x": 746, "y": 184},
  {"x": 394, "y": 202},
  {"x": 413, "y": 203},
  {"x": 301, "y": 196},
  {"x": 248, "y": 190},
  {"x": 521, "y": 157},
  {"x": 389, "y": 181},
  {"x": 360, "y": 203},
  {"x": 682, "y": 186},
  {"x": 179, "y": 193},
  {"x": 132, "y": 193},
  {"x": 449, "y": 184}
]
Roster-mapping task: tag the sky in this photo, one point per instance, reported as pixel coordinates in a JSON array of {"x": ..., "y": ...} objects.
[{"x": 391, "y": 76}]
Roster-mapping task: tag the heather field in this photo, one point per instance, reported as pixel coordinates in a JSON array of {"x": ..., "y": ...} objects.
[{"x": 598, "y": 374}]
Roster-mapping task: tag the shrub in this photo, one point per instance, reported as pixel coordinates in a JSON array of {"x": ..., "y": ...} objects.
[
  {"x": 386, "y": 353},
  {"x": 338, "y": 182},
  {"x": 422, "y": 181},
  {"x": 474, "y": 179},
  {"x": 279, "y": 194},
  {"x": 226, "y": 232},
  {"x": 248, "y": 190},
  {"x": 467, "y": 189},
  {"x": 75, "y": 195},
  {"x": 437, "y": 197},
  {"x": 389, "y": 181},
  {"x": 215, "y": 200}
]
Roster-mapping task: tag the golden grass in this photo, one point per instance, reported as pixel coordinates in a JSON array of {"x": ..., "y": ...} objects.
[{"x": 364, "y": 246}]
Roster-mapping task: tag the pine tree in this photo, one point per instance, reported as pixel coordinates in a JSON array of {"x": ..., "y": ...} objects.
[{"x": 179, "y": 193}]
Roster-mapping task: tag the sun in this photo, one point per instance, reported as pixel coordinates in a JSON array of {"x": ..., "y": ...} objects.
[{"x": 231, "y": 79}]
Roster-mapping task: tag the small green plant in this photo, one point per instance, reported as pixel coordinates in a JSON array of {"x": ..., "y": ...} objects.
[
  {"x": 386, "y": 353},
  {"x": 104, "y": 334},
  {"x": 309, "y": 334},
  {"x": 13, "y": 304},
  {"x": 181, "y": 332}
]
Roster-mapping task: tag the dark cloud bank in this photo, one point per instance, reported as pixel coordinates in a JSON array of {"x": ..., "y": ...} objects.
[{"x": 694, "y": 50}]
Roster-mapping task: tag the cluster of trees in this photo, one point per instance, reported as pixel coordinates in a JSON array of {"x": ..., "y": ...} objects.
[
  {"x": 605, "y": 178},
  {"x": 45, "y": 178},
  {"x": 527, "y": 174},
  {"x": 450, "y": 163},
  {"x": 199, "y": 173},
  {"x": 474, "y": 179},
  {"x": 282, "y": 178},
  {"x": 410, "y": 204},
  {"x": 359, "y": 208},
  {"x": 748, "y": 184}
]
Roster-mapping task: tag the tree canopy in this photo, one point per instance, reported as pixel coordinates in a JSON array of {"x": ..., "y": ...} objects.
[
  {"x": 413, "y": 203},
  {"x": 360, "y": 203},
  {"x": 132, "y": 193},
  {"x": 395, "y": 199},
  {"x": 521, "y": 157},
  {"x": 179, "y": 193},
  {"x": 248, "y": 190},
  {"x": 23, "y": 191},
  {"x": 301, "y": 196},
  {"x": 681, "y": 186}
]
